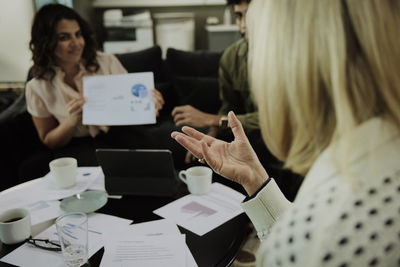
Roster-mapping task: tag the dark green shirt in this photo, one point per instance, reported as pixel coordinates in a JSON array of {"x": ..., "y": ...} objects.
[{"x": 234, "y": 86}]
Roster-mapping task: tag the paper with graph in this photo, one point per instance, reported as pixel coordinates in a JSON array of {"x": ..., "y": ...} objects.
[
  {"x": 201, "y": 214},
  {"x": 121, "y": 99}
]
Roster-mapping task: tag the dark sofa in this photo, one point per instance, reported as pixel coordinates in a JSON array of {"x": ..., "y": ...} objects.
[{"x": 183, "y": 78}]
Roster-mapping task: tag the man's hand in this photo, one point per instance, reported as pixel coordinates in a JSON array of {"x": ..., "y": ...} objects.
[{"x": 188, "y": 115}]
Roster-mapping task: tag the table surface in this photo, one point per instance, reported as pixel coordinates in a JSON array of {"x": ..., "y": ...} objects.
[{"x": 218, "y": 247}]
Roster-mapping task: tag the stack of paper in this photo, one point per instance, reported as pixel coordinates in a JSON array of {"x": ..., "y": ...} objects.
[
  {"x": 201, "y": 214},
  {"x": 29, "y": 255},
  {"x": 156, "y": 243}
]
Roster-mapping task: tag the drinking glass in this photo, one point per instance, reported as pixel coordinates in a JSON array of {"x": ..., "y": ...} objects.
[{"x": 72, "y": 230}]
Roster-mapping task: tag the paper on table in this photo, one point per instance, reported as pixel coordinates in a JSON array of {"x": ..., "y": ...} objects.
[
  {"x": 28, "y": 255},
  {"x": 158, "y": 227},
  {"x": 98, "y": 184},
  {"x": 152, "y": 228},
  {"x": 163, "y": 226},
  {"x": 42, "y": 189},
  {"x": 201, "y": 214},
  {"x": 132, "y": 250},
  {"x": 85, "y": 177},
  {"x": 43, "y": 211},
  {"x": 155, "y": 243},
  {"x": 122, "y": 99}
]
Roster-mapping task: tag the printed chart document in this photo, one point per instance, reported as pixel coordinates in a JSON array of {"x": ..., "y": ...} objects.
[
  {"x": 201, "y": 214},
  {"x": 122, "y": 99},
  {"x": 29, "y": 255},
  {"x": 154, "y": 243}
]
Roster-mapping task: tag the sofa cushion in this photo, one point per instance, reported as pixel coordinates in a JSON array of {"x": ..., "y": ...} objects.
[
  {"x": 7, "y": 98},
  {"x": 200, "y": 92},
  {"x": 194, "y": 64},
  {"x": 144, "y": 60}
]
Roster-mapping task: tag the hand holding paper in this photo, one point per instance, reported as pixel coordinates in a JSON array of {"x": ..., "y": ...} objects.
[{"x": 158, "y": 100}]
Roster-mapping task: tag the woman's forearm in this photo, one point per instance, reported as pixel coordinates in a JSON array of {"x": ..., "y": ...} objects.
[{"x": 60, "y": 135}]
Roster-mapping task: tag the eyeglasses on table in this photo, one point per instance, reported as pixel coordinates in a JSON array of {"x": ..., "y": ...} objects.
[{"x": 52, "y": 245}]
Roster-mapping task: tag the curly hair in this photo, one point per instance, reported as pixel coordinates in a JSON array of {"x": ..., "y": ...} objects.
[{"x": 44, "y": 40}]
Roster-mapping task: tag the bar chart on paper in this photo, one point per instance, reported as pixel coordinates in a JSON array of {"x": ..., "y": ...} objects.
[
  {"x": 201, "y": 214},
  {"x": 197, "y": 210}
]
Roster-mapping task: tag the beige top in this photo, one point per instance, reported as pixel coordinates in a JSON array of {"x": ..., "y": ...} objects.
[{"x": 49, "y": 98}]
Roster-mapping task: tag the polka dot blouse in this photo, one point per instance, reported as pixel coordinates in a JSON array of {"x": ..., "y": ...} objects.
[
  {"x": 338, "y": 219},
  {"x": 362, "y": 229}
]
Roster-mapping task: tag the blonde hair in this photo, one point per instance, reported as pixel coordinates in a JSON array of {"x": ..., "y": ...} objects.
[{"x": 320, "y": 68}]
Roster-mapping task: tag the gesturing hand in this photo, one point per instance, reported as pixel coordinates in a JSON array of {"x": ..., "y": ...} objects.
[
  {"x": 236, "y": 161},
  {"x": 74, "y": 108},
  {"x": 158, "y": 100},
  {"x": 189, "y": 157}
]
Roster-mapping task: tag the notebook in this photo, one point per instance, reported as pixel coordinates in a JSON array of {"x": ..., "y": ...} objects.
[{"x": 138, "y": 171}]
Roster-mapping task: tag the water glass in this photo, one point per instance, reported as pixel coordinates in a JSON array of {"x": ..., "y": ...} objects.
[{"x": 72, "y": 230}]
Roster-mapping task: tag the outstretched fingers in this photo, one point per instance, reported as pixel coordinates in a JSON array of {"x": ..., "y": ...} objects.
[
  {"x": 207, "y": 155},
  {"x": 198, "y": 135},
  {"x": 188, "y": 142},
  {"x": 236, "y": 126}
]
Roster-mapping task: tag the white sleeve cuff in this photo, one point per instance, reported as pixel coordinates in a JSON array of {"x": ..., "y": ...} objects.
[{"x": 266, "y": 207}]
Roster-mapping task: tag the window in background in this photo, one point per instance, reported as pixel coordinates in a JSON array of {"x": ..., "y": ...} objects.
[
  {"x": 14, "y": 42},
  {"x": 40, "y": 3}
]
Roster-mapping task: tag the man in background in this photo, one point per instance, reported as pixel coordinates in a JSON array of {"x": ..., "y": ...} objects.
[
  {"x": 235, "y": 95},
  {"x": 234, "y": 88}
]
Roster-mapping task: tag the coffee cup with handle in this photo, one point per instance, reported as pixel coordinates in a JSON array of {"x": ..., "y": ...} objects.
[
  {"x": 198, "y": 179},
  {"x": 15, "y": 226}
]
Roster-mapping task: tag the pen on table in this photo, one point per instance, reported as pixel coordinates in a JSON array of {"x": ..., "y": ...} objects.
[{"x": 114, "y": 196}]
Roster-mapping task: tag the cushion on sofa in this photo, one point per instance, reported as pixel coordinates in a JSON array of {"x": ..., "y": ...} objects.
[
  {"x": 194, "y": 77},
  {"x": 194, "y": 64},
  {"x": 144, "y": 60},
  {"x": 169, "y": 95},
  {"x": 200, "y": 92}
]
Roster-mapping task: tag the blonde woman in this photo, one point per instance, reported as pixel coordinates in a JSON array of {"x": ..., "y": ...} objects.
[{"x": 325, "y": 78}]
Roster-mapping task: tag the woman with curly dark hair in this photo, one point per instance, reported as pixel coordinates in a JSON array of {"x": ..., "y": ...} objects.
[
  {"x": 64, "y": 51},
  {"x": 44, "y": 40}
]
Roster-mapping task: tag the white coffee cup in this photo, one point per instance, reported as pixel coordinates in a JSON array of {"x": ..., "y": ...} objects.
[
  {"x": 15, "y": 226},
  {"x": 63, "y": 172},
  {"x": 198, "y": 179}
]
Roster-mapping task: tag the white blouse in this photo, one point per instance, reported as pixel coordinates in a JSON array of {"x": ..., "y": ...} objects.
[
  {"x": 339, "y": 218},
  {"x": 49, "y": 98}
]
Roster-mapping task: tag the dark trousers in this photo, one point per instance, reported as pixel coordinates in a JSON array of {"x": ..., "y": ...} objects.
[
  {"x": 24, "y": 157},
  {"x": 20, "y": 147}
]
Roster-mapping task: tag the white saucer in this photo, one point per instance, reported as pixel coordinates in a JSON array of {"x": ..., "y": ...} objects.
[{"x": 87, "y": 202}]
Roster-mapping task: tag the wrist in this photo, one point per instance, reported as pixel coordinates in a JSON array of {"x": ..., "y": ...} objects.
[
  {"x": 258, "y": 179},
  {"x": 71, "y": 123},
  {"x": 214, "y": 120}
]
